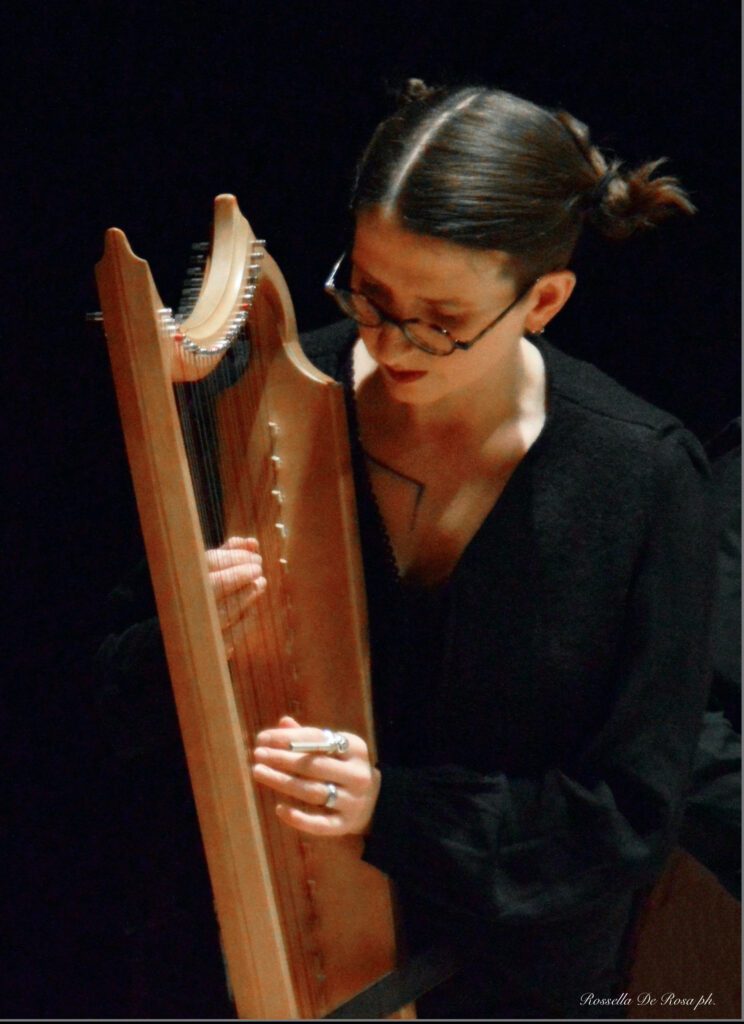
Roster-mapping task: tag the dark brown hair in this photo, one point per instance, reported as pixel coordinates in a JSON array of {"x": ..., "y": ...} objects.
[{"x": 488, "y": 170}]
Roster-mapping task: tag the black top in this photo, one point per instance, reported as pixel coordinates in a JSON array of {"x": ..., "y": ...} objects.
[{"x": 563, "y": 715}]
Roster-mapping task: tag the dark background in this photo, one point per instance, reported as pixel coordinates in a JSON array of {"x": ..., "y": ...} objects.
[{"x": 137, "y": 115}]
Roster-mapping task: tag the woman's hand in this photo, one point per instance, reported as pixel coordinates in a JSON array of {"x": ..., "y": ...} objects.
[
  {"x": 236, "y": 577},
  {"x": 305, "y": 780}
]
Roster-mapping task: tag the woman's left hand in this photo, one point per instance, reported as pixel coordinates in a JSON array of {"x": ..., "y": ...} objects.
[{"x": 307, "y": 780}]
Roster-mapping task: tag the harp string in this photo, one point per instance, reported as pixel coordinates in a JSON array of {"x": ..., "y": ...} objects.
[
  {"x": 264, "y": 626},
  {"x": 196, "y": 405},
  {"x": 196, "y": 409}
]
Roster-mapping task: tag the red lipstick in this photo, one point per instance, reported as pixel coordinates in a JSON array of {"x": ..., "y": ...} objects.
[{"x": 402, "y": 376}]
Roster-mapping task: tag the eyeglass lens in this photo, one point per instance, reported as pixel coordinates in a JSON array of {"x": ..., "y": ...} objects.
[{"x": 425, "y": 336}]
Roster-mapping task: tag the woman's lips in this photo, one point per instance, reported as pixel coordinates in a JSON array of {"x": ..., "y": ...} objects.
[{"x": 402, "y": 376}]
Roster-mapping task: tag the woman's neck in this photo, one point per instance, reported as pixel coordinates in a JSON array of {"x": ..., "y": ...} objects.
[{"x": 513, "y": 391}]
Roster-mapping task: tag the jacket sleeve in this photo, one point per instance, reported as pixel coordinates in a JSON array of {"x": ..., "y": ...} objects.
[
  {"x": 521, "y": 849},
  {"x": 134, "y": 702}
]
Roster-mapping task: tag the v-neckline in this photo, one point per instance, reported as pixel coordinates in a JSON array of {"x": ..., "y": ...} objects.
[{"x": 495, "y": 510}]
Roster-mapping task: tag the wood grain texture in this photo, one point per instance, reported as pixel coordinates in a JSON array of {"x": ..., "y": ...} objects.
[{"x": 305, "y": 923}]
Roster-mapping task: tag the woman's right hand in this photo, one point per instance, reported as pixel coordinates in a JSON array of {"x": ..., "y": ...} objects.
[{"x": 237, "y": 581}]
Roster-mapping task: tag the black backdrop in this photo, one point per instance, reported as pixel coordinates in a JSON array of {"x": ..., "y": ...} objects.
[{"x": 136, "y": 115}]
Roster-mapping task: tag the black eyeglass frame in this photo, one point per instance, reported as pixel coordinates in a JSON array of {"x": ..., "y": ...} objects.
[{"x": 385, "y": 318}]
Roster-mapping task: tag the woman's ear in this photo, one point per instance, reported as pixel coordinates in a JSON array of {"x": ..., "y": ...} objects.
[{"x": 549, "y": 295}]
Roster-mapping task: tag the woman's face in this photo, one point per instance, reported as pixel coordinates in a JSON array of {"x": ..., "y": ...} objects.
[{"x": 408, "y": 275}]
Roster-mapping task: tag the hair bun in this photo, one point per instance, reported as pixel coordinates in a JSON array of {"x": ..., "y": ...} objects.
[
  {"x": 627, "y": 202},
  {"x": 416, "y": 91},
  {"x": 618, "y": 203},
  {"x": 600, "y": 190}
]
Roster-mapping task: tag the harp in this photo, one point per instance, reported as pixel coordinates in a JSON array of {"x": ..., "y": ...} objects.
[{"x": 305, "y": 923}]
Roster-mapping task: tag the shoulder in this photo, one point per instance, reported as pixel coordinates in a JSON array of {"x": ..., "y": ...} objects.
[
  {"x": 328, "y": 347},
  {"x": 598, "y": 395},
  {"x": 602, "y": 414}
]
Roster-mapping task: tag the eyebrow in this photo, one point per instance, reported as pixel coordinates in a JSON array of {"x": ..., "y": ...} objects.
[{"x": 447, "y": 306}]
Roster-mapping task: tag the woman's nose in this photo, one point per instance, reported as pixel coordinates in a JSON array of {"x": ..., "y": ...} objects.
[{"x": 389, "y": 340}]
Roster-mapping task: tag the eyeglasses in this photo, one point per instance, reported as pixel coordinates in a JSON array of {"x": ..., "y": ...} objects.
[{"x": 431, "y": 338}]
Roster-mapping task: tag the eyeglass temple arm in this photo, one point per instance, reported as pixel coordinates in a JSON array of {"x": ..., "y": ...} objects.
[{"x": 330, "y": 282}]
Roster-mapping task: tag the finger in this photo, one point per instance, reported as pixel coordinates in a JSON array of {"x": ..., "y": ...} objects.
[
  {"x": 304, "y": 791},
  {"x": 228, "y": 581},
  {"x": 220, "y": 558},
  {"x": 233, "y": 609},
  {"x": 220, "y": 561},
  {"x": 352, "y": 775},
  {"x": 282, "y": 737},
  {"x": 315, "y": 823},
  {"x": 247, "y": 543}
]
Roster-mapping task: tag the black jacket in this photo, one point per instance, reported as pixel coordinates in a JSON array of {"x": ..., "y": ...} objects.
[{"x": 563, "y": 708}]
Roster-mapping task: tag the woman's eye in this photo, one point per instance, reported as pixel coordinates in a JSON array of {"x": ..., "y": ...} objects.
[
  {"x": 451, "y": 323},
  {"x": 369, "y": 290}
]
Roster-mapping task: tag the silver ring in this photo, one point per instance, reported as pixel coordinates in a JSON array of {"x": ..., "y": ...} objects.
[
  {"x": 332, "y": 743},
  {"x": 338, "y": 740},
  {"x": 332, "y": 796}
]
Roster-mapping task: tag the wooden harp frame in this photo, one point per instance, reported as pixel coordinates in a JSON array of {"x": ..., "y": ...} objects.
[{"x": 305, "y": 923}]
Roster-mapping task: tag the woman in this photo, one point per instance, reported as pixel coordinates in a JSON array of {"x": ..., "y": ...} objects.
[{"x": 537, "y": 564}]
